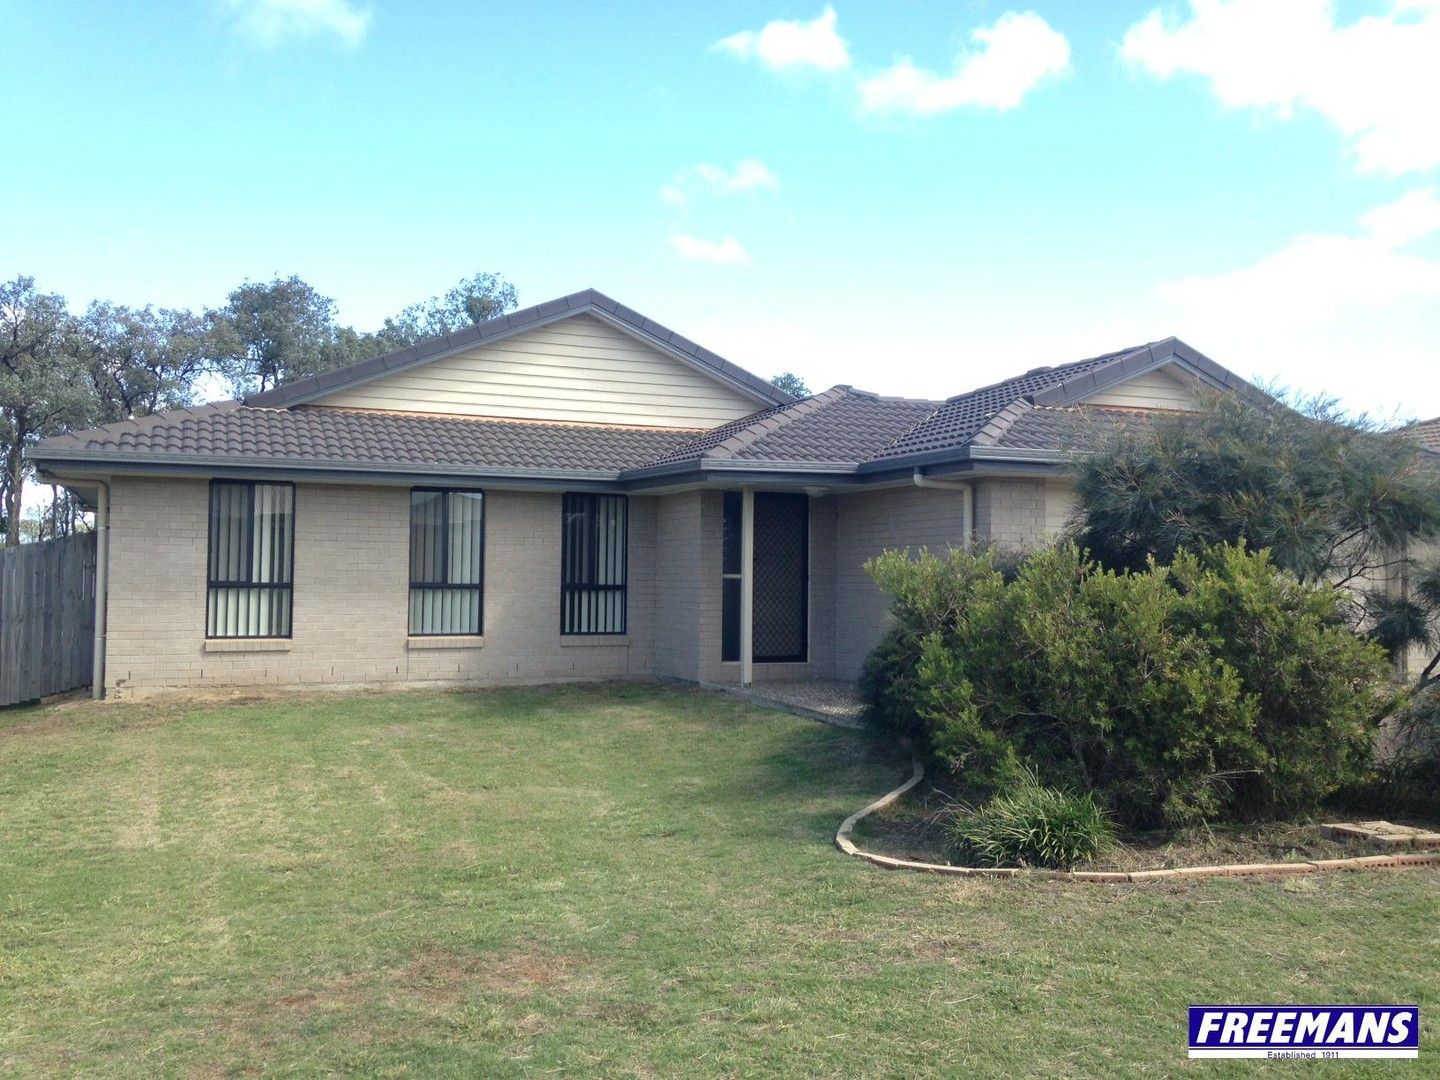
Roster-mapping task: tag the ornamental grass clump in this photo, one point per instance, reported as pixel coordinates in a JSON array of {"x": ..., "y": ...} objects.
[{"x": 1032, "y": 825}]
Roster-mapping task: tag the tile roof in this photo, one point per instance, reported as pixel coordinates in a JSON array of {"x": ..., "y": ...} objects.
[
  {"x": 838, "y": 427},
  {"x": 1427, "y": 432},
  {"x": 962, "y": 417},
  {"x": 1035, "y": 415},
  {"x": 1039, "y": 427},
  {"x": 320, "y": 435}
]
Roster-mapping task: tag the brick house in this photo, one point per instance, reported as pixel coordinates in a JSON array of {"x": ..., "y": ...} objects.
[{"x": 571, "y": 491}]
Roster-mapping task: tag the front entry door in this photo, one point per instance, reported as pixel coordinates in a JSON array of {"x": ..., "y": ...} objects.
[{"x": 782, "y": 578}]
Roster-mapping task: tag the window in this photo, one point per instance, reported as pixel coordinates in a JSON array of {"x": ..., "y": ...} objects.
[
  {"x": 592, "y": 559},
  {"x": 447, "y": 562},
  {"x": 251, "y": 559},
  {"x": 730, "y": 578}
]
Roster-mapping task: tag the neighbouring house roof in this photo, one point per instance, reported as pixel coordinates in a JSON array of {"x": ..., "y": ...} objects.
[
  {"x": 1427, "y": 433},
  {"x": 1033, "y": 419},
  {"x": 586, "y": 302}
]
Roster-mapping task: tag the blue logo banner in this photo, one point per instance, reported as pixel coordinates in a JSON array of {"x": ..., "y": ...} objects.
[{"x": 1305, "y": 1031}]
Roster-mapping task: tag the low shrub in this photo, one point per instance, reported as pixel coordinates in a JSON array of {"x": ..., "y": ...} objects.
[
  {"x": 1032, "y": 825},
  {"x": 1405, "y": 780},
  {"x": 887, "y": 684},
  {"x": 1214, "y": 688}
]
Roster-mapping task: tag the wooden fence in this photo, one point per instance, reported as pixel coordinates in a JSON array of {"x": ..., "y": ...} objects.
[{"x": 47, "y": 617}]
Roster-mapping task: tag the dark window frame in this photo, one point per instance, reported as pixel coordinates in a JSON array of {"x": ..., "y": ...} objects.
[
  {"x": 570, "y": 501},
  {"x": 479, "y": 586},
  {"x": 212, "y": 583}
]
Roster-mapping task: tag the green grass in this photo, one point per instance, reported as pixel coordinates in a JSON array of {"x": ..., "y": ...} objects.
[{"x": 620, "y": 880}]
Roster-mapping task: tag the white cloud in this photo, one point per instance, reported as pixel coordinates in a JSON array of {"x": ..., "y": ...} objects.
[
  {"x": 1407, "y": 218},
  {"x": 786, "y": 43},
  {"x": 1007, "y": 61},
  {"x": 1376, "y": 79},
  {"x": 273, "y": 22},
  {"x": 748, "y": 175},
  {"x": 1352, "y": 315},
  {"x": 723, "y": 251}
]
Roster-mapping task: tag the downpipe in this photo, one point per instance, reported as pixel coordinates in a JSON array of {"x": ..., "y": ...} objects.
[
  {"x": 102, "y": 588},
  {"x": 967, "y": 502}
]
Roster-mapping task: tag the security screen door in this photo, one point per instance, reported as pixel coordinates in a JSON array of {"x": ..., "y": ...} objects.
[{"x": 782, "y": 573}]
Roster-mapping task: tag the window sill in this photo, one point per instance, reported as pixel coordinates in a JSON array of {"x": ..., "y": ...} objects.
[
  {"x": 446, "y": 641},
  {"x": 593, "y": 641},
  {"x": 241, "y": 645}
]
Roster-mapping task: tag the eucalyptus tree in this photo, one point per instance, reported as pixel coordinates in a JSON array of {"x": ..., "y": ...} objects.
[{"x": 43, "y": 388}]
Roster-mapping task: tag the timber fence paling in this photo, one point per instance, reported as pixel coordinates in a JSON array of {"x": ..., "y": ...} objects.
[{"x": 47, "y": 617}]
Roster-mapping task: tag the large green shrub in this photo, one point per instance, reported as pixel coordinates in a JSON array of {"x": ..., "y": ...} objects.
[
  {"x": 1216, "y": 687},
  {"x": 1032, "y": 825}
]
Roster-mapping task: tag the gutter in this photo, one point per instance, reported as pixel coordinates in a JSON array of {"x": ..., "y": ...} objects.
[
  {"x": 82, "y": 462},
  {"x": 967, "y": 502}
]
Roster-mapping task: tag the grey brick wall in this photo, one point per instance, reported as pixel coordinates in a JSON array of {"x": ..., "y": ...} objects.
[
  {"x": 871, "y": 522},
  {"x": 678, "y": 585},
  {"x": 351, "y": 582},
  {"x": 351, "y": 589},
  {"x": 1012, "y": 513}
]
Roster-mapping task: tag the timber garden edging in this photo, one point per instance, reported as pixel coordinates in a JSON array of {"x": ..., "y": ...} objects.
[{"x": 1108, "y": 877}]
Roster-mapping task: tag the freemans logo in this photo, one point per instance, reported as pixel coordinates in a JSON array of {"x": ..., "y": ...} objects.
[{"x": 1305, "y": 1031}]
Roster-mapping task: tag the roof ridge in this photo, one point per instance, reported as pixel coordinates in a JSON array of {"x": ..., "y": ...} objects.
[
  {"x": 1050, "y": 369},
  {"x": 994, "y": 429},
  {"x": 781, "y": 417},
  {"x": 908, "y": 431}
]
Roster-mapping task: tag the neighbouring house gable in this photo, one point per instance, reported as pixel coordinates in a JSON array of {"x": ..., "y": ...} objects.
[
  {"x": 1169, "y": 388},
  {"x": 575, "y": 370}
]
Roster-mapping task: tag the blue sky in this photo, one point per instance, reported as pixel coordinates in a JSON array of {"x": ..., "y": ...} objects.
[{"x": 1034, "y": 184}]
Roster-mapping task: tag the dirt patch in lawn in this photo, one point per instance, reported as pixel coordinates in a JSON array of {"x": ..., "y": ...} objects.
[
  {"x": 432, "y": 983},
  {"x": 914, "y": 829}
]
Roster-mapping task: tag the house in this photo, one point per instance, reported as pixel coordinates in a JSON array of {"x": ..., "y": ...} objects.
[
  {"x": 1426, "y": 433},
  {"x": 571, "y": 491}
]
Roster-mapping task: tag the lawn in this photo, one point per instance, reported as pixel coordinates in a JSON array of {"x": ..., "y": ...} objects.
[{"x": 620, "y": 880}]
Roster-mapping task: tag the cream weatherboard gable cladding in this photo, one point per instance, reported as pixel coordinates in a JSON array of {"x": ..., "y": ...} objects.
[
  {"x": 1164, "y": 388},
  {"x": 576, "y": 370}
]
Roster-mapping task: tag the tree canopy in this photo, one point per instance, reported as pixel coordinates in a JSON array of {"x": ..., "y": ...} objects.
[
  {"x": 473, "y": 301},
  {"x": 60, "y": 371},
  {"x": 1332, "y": 498},
  {"x": 791, "y": 383}
]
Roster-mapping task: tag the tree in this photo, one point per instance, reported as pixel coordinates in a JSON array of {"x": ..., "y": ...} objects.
[
  {"x": 43, "y": 391},
  {"x": 140, "y": 361},
  {"x": 472, "y": 301},
  {"x": 791, "y": 383},
  {"x": 271, "y": 332},
  {"x": 1334, "y": 499}
]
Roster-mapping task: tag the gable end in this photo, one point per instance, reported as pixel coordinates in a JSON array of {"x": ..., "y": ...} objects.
[{"x": 579, "y": 369}]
